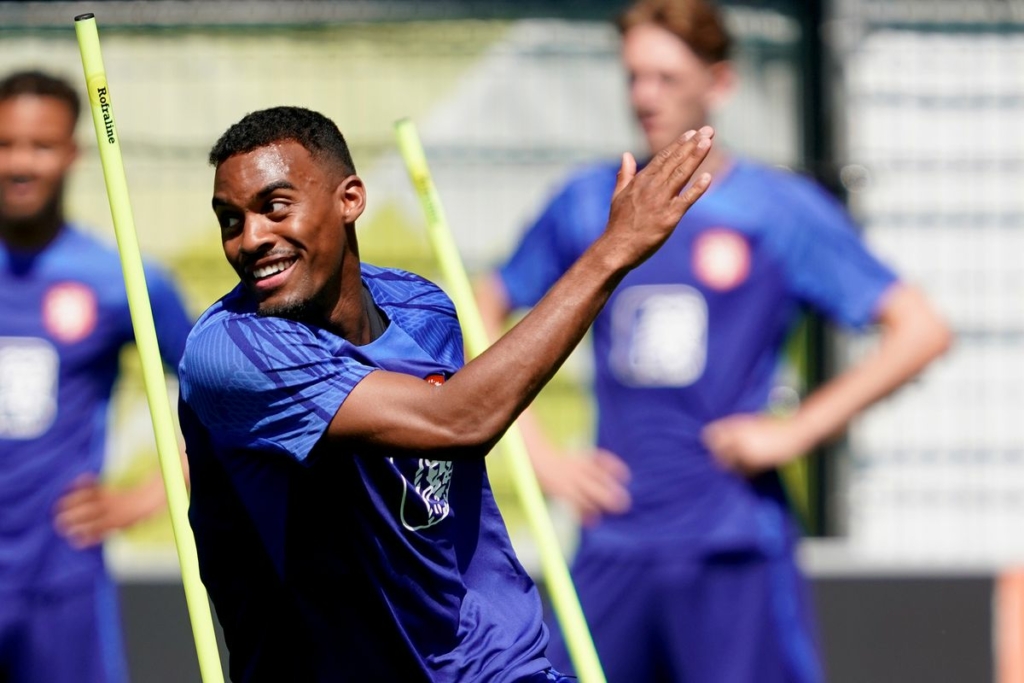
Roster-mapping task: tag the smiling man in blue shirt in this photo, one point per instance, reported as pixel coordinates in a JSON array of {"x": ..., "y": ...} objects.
[{"x": 345, "y": 524}]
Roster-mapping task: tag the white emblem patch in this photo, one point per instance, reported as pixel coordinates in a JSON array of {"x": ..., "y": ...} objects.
[
  {"x": 69, "y": 312},
  {"x": 29, "y": 370},
  {"x": 660, "y": 336}
]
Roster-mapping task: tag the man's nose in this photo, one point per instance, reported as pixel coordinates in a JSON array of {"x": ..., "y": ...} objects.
[
  {"x": 257, "y": 234},
  {"x": 18, "y": 159},
  {"x": 644, "y": 89}
]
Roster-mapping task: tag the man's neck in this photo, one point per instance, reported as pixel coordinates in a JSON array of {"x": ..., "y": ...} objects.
[{"x": 33, "y": 234}]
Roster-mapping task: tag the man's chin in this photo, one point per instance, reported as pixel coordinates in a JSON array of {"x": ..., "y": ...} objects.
[
  {"x": 293, "y": 310},
  {"x": 22, "y": 216}
]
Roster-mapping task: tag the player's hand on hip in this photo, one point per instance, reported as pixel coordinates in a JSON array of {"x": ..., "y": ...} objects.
[
  {"x": 751, "y": 444},
  {"x": 592, "y": 484},
  {"x": 647, "y": 206},
  {"x": 90, "y": 511}
]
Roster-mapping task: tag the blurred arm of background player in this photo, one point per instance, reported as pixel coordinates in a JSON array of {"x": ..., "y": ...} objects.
[
  {"x": 912, "y": 336},
  {"x": 591, "y": 483},
  {"x": 92, "y": 510}
]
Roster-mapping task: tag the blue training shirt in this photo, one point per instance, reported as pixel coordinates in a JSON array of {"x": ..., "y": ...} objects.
[
  {"x": 694, "y": 334},
  {"x": 63, "y": 321},
  {"x": 324, "y": 564}
]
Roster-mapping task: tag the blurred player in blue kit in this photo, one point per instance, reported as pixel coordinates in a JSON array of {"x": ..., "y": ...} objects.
[
  {"x": 685, "y": 567},
  {"x": 63, "y": 321},
  {"x": 345, "y": 524}
]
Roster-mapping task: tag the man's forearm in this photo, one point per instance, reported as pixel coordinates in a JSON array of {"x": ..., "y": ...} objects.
[
  {"x": 502, "y": 381},
  {"x": 913, "y": 336}
]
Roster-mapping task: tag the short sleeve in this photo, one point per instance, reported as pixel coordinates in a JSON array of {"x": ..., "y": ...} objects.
[
  {"x": 265, "y": 383},
  {"x": 829, "y": 267},
  {"x": 172, "y": 321},
  {"x": 555, "y": 240}
]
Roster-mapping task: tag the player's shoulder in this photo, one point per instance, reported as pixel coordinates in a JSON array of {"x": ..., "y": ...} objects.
[
  {"x": 231, "y": 327},
  {"x": 79, "y": 254},
  {"x": 234, "y": 306},
  {"x": 97, "y": 254},
  {"x": 780, "y": 186},
  {"x": 595, "y": 180},
  {"x": 394, "y": 288}
]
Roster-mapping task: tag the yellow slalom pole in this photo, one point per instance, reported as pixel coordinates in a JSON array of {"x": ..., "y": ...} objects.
[
  {"x": 556, "y": 574},
  {"x": 145, "y": 338}
]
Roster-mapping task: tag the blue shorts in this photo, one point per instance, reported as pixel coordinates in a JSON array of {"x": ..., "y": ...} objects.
[
  {"x": 730, "y": 618},
  {"x": 62, "y": 636}
]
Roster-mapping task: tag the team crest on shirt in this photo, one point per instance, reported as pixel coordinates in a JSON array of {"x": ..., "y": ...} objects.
[
  {"x": 721, "y": 258},
  {"x": 425, "y": 486},
  {"x": 69, "y": 311}
]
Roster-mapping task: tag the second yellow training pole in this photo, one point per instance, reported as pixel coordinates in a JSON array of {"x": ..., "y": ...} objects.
[
  {"x": 145, "y": 339},
  {"x": 556, "y": 575}
]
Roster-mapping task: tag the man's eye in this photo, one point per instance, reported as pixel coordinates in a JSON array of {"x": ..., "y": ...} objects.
[
  {"x": 276, "y": 205},
  {"x": 228, "y": 222}
]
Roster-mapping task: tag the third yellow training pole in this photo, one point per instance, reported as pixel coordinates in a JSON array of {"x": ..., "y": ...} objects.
[
  {"x": 145, "y": 338},
  {"x": 556, "y": 574}
]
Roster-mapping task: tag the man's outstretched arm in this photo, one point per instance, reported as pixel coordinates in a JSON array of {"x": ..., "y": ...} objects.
[{"x": 464, "y": 417}]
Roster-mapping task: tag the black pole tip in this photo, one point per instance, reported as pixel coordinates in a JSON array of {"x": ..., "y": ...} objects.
[{"x": 83, "y": 17}]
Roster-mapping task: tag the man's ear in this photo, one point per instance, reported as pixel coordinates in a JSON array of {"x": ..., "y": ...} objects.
[
  {"x": 351, "y": 196},
  {"x": 723, "y": 83}
]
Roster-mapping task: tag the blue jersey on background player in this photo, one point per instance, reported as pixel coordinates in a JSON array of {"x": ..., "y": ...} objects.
[
  {"x": 64, "y": 320},
  {"x": 693, "y": 335},
  {"x": 392, "y": 565},
  {"x": 685, "y": 567}
]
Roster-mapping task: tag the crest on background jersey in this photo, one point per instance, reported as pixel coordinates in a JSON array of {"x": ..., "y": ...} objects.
[
  {"x": 721, "y": 259},
  {"x": 69, "y": 311}
]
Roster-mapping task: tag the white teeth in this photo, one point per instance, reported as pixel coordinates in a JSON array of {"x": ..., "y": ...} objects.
[{"x": 272, "y": 269}]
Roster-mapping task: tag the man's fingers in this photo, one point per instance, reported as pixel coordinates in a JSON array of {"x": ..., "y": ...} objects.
[
  {"x": 682, "y": 149},
  {"x": 75, "y": 513},
  {"x": 612, "y": 464},
  {"x": 671, "y": 150},
  {"x": 607, "y": 495},
  {"x": 627, "y": 170},
  {"x": 683, "y": 202},
  {"x": 687, "y": 163},
  {"x": 78, "y": 498},
  {"x": 85, "y": 536},
  {"x": 597, "y": 486},
  {"x": 674, "y": 166}
]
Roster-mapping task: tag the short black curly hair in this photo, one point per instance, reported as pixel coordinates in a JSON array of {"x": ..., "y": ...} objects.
[
  {"x": 314, "y": 131},
  {"x": 41, "y": 84}
]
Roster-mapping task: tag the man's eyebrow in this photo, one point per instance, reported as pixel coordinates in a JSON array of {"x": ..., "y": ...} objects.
[
  {"x": 274, "y": 187},
  {"x": 262, "y": 194}
]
